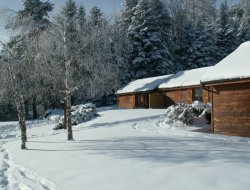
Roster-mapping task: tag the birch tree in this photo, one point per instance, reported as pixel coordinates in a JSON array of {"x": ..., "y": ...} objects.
[
  {"x": 19, "y": 55},
  {"x": 78, "y": 61},
  {"x": 14, "y": 80}
]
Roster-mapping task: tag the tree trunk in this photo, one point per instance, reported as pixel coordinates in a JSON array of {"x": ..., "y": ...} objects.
[
  {"x": 22, "y": 123},
  {"x": 68, "y": 94},
  {"x": 26, "y": 107},
  {"x": 68, "y": 116},
  {"x": 34, "y": 108},
  {"x": 65, "y": 114},
  {"x": 45, "y": 106}
]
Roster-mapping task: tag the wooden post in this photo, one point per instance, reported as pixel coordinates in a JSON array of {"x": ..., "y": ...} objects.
[
  {"x": 212, "y": 111},
  {"x": 149, "y": 100}
]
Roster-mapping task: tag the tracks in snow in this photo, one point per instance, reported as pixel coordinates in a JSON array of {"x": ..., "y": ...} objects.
[
  {"x": 3, "y": 168},
  {"x": 14, "y": 177}
]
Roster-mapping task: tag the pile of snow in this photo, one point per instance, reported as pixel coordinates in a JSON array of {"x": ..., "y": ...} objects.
[
  {"x": 202, "y": 111},
  {"x": 84, "y": 112},
  {"x": 180, "y": 113},
  {"x": 198, "y": 105},
  {"x": 53, "y": 115},
  {"x": 80, "y": 113}
]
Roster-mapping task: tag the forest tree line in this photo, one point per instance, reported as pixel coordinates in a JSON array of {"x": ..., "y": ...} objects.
[{"x": 76, "y": 56}]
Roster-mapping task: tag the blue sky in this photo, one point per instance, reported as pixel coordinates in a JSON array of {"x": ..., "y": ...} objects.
[{"x": 108, "y": 7}]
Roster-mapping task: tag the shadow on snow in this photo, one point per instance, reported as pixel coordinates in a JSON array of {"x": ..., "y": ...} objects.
[{"x": 162, "y": 149}]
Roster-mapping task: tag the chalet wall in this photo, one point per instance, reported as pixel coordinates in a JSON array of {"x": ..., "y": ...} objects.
[
  {"x": 127, "y": 101},
  {"x": 231, "y": 109},
  {"x": 178, "y": 96},
  {"x": 207, "y": 96},
  {"x": 156, "y": 100},
  {"x": 161, "y": 99}
]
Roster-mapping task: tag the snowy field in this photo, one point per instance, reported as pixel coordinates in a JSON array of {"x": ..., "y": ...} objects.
[{"x": 123, "y": 150}]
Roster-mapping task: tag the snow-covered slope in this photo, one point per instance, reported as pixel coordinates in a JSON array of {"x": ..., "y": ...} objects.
[
  {"x": 234, "y": 66},
  {"x": 126, "y": 149}
]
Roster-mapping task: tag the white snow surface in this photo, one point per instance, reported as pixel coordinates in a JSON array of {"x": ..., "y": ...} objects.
[
  {"x": 234, "y": 66},
  {"x": 121, "y": 150},
  {"x": 142, "y": 85},
  {"x": 185, "y": 78}
]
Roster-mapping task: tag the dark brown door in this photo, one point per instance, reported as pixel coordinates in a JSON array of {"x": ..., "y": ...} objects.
[{"x": 142, "y": 101}]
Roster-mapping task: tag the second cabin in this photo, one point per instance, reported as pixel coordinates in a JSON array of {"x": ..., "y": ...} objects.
[
  {"x": 185, "y": 87},
  {"x": 142, "y": 93},
  {"x": 163, "y": 91}
]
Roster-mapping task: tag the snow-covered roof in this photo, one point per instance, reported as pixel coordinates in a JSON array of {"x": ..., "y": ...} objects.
[
  {"x": 185, "y": 78},
  {"x": 234, "y": 66},
  {"x": 143, "y": 85}
]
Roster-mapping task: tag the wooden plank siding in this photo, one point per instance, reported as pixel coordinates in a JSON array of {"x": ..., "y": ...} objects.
[
  {"x": 160, "y": 99},
  {"x": 156, "y": 100},
  {"x": 131, "y": 101},
  {"x": 185, "y": 95},
  {"x": 231, "y": 109},
  {"x": 207, "y": 96},
  {"x": 126, "y": 101},
  {"x": 178, "y": 96}
]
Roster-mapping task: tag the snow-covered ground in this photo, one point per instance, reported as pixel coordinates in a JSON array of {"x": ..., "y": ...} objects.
[{"x": 121, "y": 150}]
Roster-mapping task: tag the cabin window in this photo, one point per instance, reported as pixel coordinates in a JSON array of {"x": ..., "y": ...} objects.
[{"x": 198, "y": 94}]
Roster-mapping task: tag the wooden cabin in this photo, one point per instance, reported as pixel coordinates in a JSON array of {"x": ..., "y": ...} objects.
[
  {"x": 142, "y": 93},
  {"x": 184, "y": 87},
  {"x": 229, "y": 84}
]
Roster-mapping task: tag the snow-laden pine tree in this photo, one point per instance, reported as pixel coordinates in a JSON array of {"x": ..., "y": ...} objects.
[
  {"x": 226, "y": 33},
  {"x": 122, "y": 43},
  {"x": 127, "y": 14},
  {"x": 34, "y": 15},
  {"x": 244, "y": 30},
  {"x": 148, "y": 35},
  {"x": 199, "y": 48},
  {"x": 95, "y": 17},
  {"x": 81, "y": 16}
]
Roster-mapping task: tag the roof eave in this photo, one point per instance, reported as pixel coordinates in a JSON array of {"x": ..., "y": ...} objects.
[
  {"x": 132, "y": 93},
  {"x": 225, "y": 81},
  {"x": 179, "y": 87}
]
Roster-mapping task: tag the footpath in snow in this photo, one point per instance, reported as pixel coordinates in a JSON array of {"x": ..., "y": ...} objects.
[{"x": 121, "y": 150}]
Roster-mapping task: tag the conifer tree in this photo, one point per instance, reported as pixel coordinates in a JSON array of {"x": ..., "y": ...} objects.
[
  {"x": 199, "y": 48},
  {"x": 226, "y": 34},
  {"x": 127, "y": 14},
  {"x": 122, "y": 43},
  {"x": 147, "y": 32},
  {"x": 95, "y": 18},
  {"x": 81, "y": 16},
  {"x": 36, "y": 12},
  {"x": 244, "y": 30}
]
